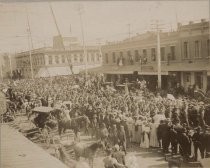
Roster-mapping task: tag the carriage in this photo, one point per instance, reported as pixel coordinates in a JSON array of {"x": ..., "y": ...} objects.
[{"x": 43, "y": 116}]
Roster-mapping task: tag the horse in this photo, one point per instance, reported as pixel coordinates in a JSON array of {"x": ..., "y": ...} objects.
[
  {"x": 74, "y": 123},
  {"x": 87, "y": 152}
]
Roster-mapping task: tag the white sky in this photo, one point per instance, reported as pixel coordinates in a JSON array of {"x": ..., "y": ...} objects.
[{"x": 107, "y": 20}]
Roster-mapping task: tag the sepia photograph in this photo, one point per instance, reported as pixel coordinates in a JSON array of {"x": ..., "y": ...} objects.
[{"x": 104, "y": 84}]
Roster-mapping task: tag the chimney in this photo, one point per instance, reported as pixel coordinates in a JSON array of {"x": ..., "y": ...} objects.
[
  {"x": 190, "y": 22},
  {"x": 203, "y": 20}
]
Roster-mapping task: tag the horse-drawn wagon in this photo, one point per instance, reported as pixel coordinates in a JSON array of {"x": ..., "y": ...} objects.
[{"x": 44, "y": 115}]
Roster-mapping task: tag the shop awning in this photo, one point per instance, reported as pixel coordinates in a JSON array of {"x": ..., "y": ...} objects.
[
  {"x": 129, "y": 69},
  {"x": 53, "y": 71},
  {"x": 200, "y": 66}
]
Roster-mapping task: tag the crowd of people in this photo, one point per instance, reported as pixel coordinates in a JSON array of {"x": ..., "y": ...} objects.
[{"x": 121, "y": 117}]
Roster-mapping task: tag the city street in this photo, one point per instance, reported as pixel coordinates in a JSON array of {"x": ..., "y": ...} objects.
[
  {"x": 145, "y": 158},
  {"x": 110, "y": 84}
]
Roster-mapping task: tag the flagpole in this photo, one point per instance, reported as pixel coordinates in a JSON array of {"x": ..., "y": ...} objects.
[{"x": 10, "y": 65}]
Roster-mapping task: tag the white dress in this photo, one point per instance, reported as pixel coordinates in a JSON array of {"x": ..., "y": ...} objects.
[{"x": 153, "y": 135}]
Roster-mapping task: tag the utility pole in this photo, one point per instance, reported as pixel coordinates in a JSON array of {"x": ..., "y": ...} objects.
[
  {"x": 10, "y": 65},
  {"x": 30, "y": 45},
  {"x": 99, "y": 43},
  {"x": 1, "y": 64},
  {"x": 83, "y": 39},
  {"x": 129, "y": 30},
  {"x": 157, "y": 27}
]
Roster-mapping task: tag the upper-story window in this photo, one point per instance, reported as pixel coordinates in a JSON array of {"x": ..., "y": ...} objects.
[
  {"x": 137, "y": 55},
  {"x": 106, "y": 58},
  {"x": 186, "y": 49},
  {"x": 98, "y": 56},
  {"x": 75, "y": 58},
  {"x": 153, "y": 54},
  {"x": 81, "y": 58},
  {"x": 92, "y": 57},
  {"x": 208, "y": 47},
  {"x": 197, "y": 49},
  {"x": 63, "y": 59},
  {"x": 172, "y": 51},
  {"x": 162, "y": 53},
  {"x": 88, "y": 57},
  {"x": 56, "y": 59},
  {"x": 113, "y": 57},
  {"x": 43, "y": 60},
  {"x": 130, "y": 57},
  {"x": 144, "y": 52}
]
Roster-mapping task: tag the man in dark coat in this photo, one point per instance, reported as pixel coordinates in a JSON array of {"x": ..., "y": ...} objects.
[
  {"x": 197, "y": 140},
  {"x": 184, "y": 142},
  {"x": 165, "y": 136}
]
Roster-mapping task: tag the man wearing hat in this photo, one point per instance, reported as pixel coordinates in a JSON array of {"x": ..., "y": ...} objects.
[
  {"x": 197, "y": 140},
  {"x": 165, "y": 136}
]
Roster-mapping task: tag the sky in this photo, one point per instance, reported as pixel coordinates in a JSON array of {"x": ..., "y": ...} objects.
[{"x": 104, "y": 20}]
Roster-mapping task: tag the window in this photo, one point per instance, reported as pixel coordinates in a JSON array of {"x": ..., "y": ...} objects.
[
  {"x": 106, "y": 57},
  {"x": 188, "y": 77},
  {"x": 81, "y": 58},
  {"x": 144, "y": 52},
  {"x": 186, "y": 46},
  {"x": 172, "y": 51},
  {"x": 208, "y": 47},
  {"x": 92, "y": 57},
  {"x": 98, "y": 57},
  {"x": 199, "y": 79},
  {"x": 63, "y": 59},
  {"x": 113, "y": 57},
  {"x": 75, "y": 58},
  {"x": 88, "y": 57},
  {"x": 162, "y": 53},
  {"x": 137, "y": 55},
  {"x": 197, "y": 49},
  {"x": 43, "y": 59},
  {"x": 121, "y": 54},
  {"x": 56, "y": 59},
  {"x": 153, "y": 54}
]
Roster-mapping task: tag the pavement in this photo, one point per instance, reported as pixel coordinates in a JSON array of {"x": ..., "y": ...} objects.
[{"x": 138, "y": 157}]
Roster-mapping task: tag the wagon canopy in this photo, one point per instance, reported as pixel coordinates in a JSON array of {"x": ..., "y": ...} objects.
[{"x": 43, "y": 109}]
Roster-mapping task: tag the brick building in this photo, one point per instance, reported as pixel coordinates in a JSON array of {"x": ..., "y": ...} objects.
[
  {"x": 185, "y": 57},
  {"x": 53, "y": 61}
]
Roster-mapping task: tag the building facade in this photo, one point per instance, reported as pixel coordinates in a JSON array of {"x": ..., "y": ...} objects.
[
  {"x": 185, "y": 57},
  {"x": 8, "y": 65},
  {"x": 56, "y": 60}
]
